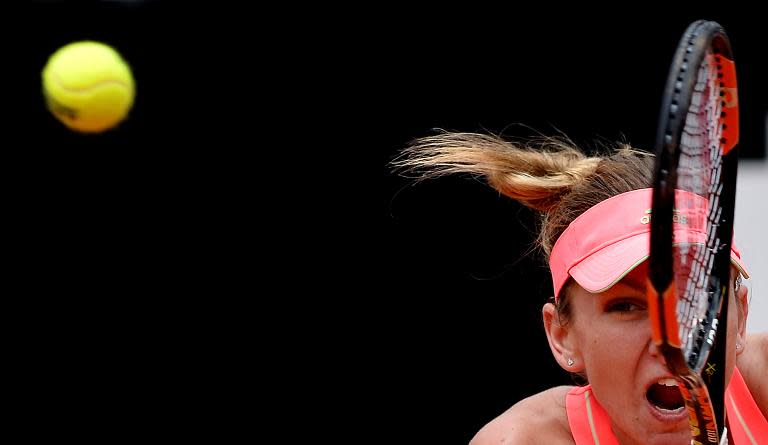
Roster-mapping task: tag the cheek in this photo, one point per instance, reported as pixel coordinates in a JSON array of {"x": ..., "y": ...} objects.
[
  {"x": 732, "y": 338},
  {"x": 614, "y": 349},
  {"x": 612, "y": 363}
]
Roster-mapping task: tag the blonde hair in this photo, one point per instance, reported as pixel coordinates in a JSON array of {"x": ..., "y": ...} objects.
[{"x": 548, "y": 174}]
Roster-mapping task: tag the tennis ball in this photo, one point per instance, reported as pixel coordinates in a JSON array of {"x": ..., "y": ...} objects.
[{"x": 88, "y": 86}]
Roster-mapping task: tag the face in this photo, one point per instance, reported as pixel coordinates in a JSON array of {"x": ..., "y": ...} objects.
[{"x": 609, "y": 336}]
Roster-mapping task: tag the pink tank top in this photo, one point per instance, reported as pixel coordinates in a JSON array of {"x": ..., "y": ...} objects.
[{"x": 590, "y": 424}]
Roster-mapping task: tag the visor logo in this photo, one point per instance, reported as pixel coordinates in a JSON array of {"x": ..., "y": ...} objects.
[
  {"x": 647, "y": 218},
  {"x": 677, "y": 217}
]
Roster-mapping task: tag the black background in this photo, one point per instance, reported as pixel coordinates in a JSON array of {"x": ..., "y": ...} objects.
[{"x": 250, "y": 184}]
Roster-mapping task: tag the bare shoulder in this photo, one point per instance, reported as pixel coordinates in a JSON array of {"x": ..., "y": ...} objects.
[
  {"x": 540, "y": 418},
  {"x": 752, "y": 364}
]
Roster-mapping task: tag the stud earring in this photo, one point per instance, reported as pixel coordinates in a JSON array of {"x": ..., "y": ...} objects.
[
  {"x": 738, "y": 345},
  {"x": 570, "y": 361}
]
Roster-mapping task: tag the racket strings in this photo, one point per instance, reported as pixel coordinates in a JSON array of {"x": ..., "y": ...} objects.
[{"x": 699, "y": 171}]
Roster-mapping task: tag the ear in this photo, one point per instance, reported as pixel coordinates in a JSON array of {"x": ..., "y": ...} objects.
[
  {"x": 742, "y": 304},
  {"x": 561, "y": 340}
]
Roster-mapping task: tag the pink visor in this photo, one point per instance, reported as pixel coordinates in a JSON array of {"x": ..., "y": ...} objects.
[{"x": 610, "y": 239}]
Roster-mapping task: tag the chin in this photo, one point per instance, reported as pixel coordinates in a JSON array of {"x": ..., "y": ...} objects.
[
  {"x": 679, "y": 436},
  {"x": 651, "y": 431}
]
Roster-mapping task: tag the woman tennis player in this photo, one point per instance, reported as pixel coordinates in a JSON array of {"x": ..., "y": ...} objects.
[{"x": 594, "y": 234}]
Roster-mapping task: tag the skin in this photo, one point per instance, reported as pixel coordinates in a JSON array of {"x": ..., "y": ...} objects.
[{"x": 609, "y": 337}]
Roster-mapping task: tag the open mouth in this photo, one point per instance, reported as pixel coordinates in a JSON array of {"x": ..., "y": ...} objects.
[{"x": 666, "y": 396}]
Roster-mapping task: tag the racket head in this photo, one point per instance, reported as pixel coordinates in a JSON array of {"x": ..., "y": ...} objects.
[{"x": 692, "y": 214}]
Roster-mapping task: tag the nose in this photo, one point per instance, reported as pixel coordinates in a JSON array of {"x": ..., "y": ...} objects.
[{"x": 654, "y": 352}]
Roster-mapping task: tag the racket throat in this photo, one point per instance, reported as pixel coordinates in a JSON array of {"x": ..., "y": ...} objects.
[{"x": 702, "y": 421}]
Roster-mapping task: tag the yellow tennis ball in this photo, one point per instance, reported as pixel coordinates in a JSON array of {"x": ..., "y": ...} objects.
[{"x": 88, "y": 86}]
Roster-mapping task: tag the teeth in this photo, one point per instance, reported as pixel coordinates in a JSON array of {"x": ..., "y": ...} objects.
[{"x": 667, "y": 382}]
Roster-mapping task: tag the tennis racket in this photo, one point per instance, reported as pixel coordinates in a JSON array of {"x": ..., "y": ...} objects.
[{"x": 692, "y": 223}]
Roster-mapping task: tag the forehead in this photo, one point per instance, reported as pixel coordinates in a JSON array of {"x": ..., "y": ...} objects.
[{"x": 637, "y": 278}]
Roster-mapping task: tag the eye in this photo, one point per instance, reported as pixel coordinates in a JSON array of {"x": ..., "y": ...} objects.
[{"x": 624, "y": 306}]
